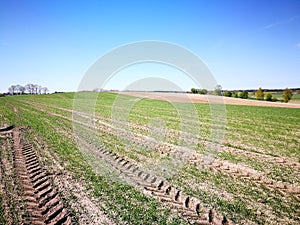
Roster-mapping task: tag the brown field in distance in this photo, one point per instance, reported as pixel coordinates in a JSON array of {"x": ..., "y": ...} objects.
[{"x": 197, "y": 98}]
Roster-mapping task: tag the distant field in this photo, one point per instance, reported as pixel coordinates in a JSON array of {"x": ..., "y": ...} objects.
[
  {"x": 295, "y": 99},
  {"x": 197, "y": 98},
  {"x": 255, "y": 178}
]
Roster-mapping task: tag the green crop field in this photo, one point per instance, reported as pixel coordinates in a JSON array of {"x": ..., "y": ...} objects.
[
  {"x": 278, "y": 95},
  {"x": 253, "y": 179}
]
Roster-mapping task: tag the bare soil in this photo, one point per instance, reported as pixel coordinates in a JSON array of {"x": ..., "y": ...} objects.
[{"x": 196, "y": 98}]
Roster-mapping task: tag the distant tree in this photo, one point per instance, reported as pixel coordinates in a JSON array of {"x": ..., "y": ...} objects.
[
  {"x": 259, "y": 94},
  {"x": 269, "y": 97},
  {"x": 39, "y": 89},
  {"x": 12, "y": 89},
  {"x": 35, "y": 89},
  {"x": 243, "y": 94},
  {"x": 96, "y": 90},
  {"x": 18, "y": 89},
  {"x": 194, "y": 90},
  {"x": 298, "y": 91},
  {"x": 228, "y": 93},
  {"x": 45, "y": 90},
  {"x": 22, "y": 90},
  {"x": 218, "y": 90},
  {"x": 203, "y": 91},
  {"x": 29, "y": 88},
  {"x": 287, "y": 95},
  {"x": 235, "y": 94}
]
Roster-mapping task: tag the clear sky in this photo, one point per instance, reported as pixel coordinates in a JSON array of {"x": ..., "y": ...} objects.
[{"x": 246, "y": 44}]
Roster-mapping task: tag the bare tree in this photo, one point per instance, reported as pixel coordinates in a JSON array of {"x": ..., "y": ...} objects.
[
  {"x": 18, "y": 89},
  {"x": 45, "y": 90},
  {"x": 22, "y": 89},
  {"x": 12, "y": 89},
  {"x": 35, "y": 89},
  {"x": 39, "y": 87},
  {"x": 29, "y": 88}
]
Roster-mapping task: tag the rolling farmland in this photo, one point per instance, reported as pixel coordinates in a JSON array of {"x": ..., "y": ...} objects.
[{"x": 137, "y": 172}]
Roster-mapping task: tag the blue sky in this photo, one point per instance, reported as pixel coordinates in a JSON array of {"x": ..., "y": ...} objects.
[{"x": 245, "y": 44}]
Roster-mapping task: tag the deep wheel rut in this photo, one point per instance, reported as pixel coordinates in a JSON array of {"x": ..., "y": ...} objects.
[{"x": 43, "y": 203}]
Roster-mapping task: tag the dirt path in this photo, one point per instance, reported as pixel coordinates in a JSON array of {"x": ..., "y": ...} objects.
[{"x": 196, "y": 98}]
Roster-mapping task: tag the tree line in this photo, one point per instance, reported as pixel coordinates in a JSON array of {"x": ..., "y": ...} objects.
[
  {"x": 27, "y": 89},
  {"x": 259, "y": 94}
]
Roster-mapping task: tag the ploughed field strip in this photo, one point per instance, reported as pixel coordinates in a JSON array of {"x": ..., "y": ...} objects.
[{"x": 42, "y": 203}]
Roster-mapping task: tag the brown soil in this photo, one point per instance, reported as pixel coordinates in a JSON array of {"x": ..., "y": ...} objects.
[{"x": 195, "y": 98}]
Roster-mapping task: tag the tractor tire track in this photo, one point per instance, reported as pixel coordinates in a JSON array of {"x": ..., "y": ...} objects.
[
  {"x": 43, "y": 202},
  {"x": 79, "y": 200},
  {"x": 190, "y": 207}
]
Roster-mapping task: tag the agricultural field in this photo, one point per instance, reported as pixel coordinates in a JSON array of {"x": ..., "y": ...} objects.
[
  {"x": 295, "y": 98},
  {"x": 146, "y": 161}
]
